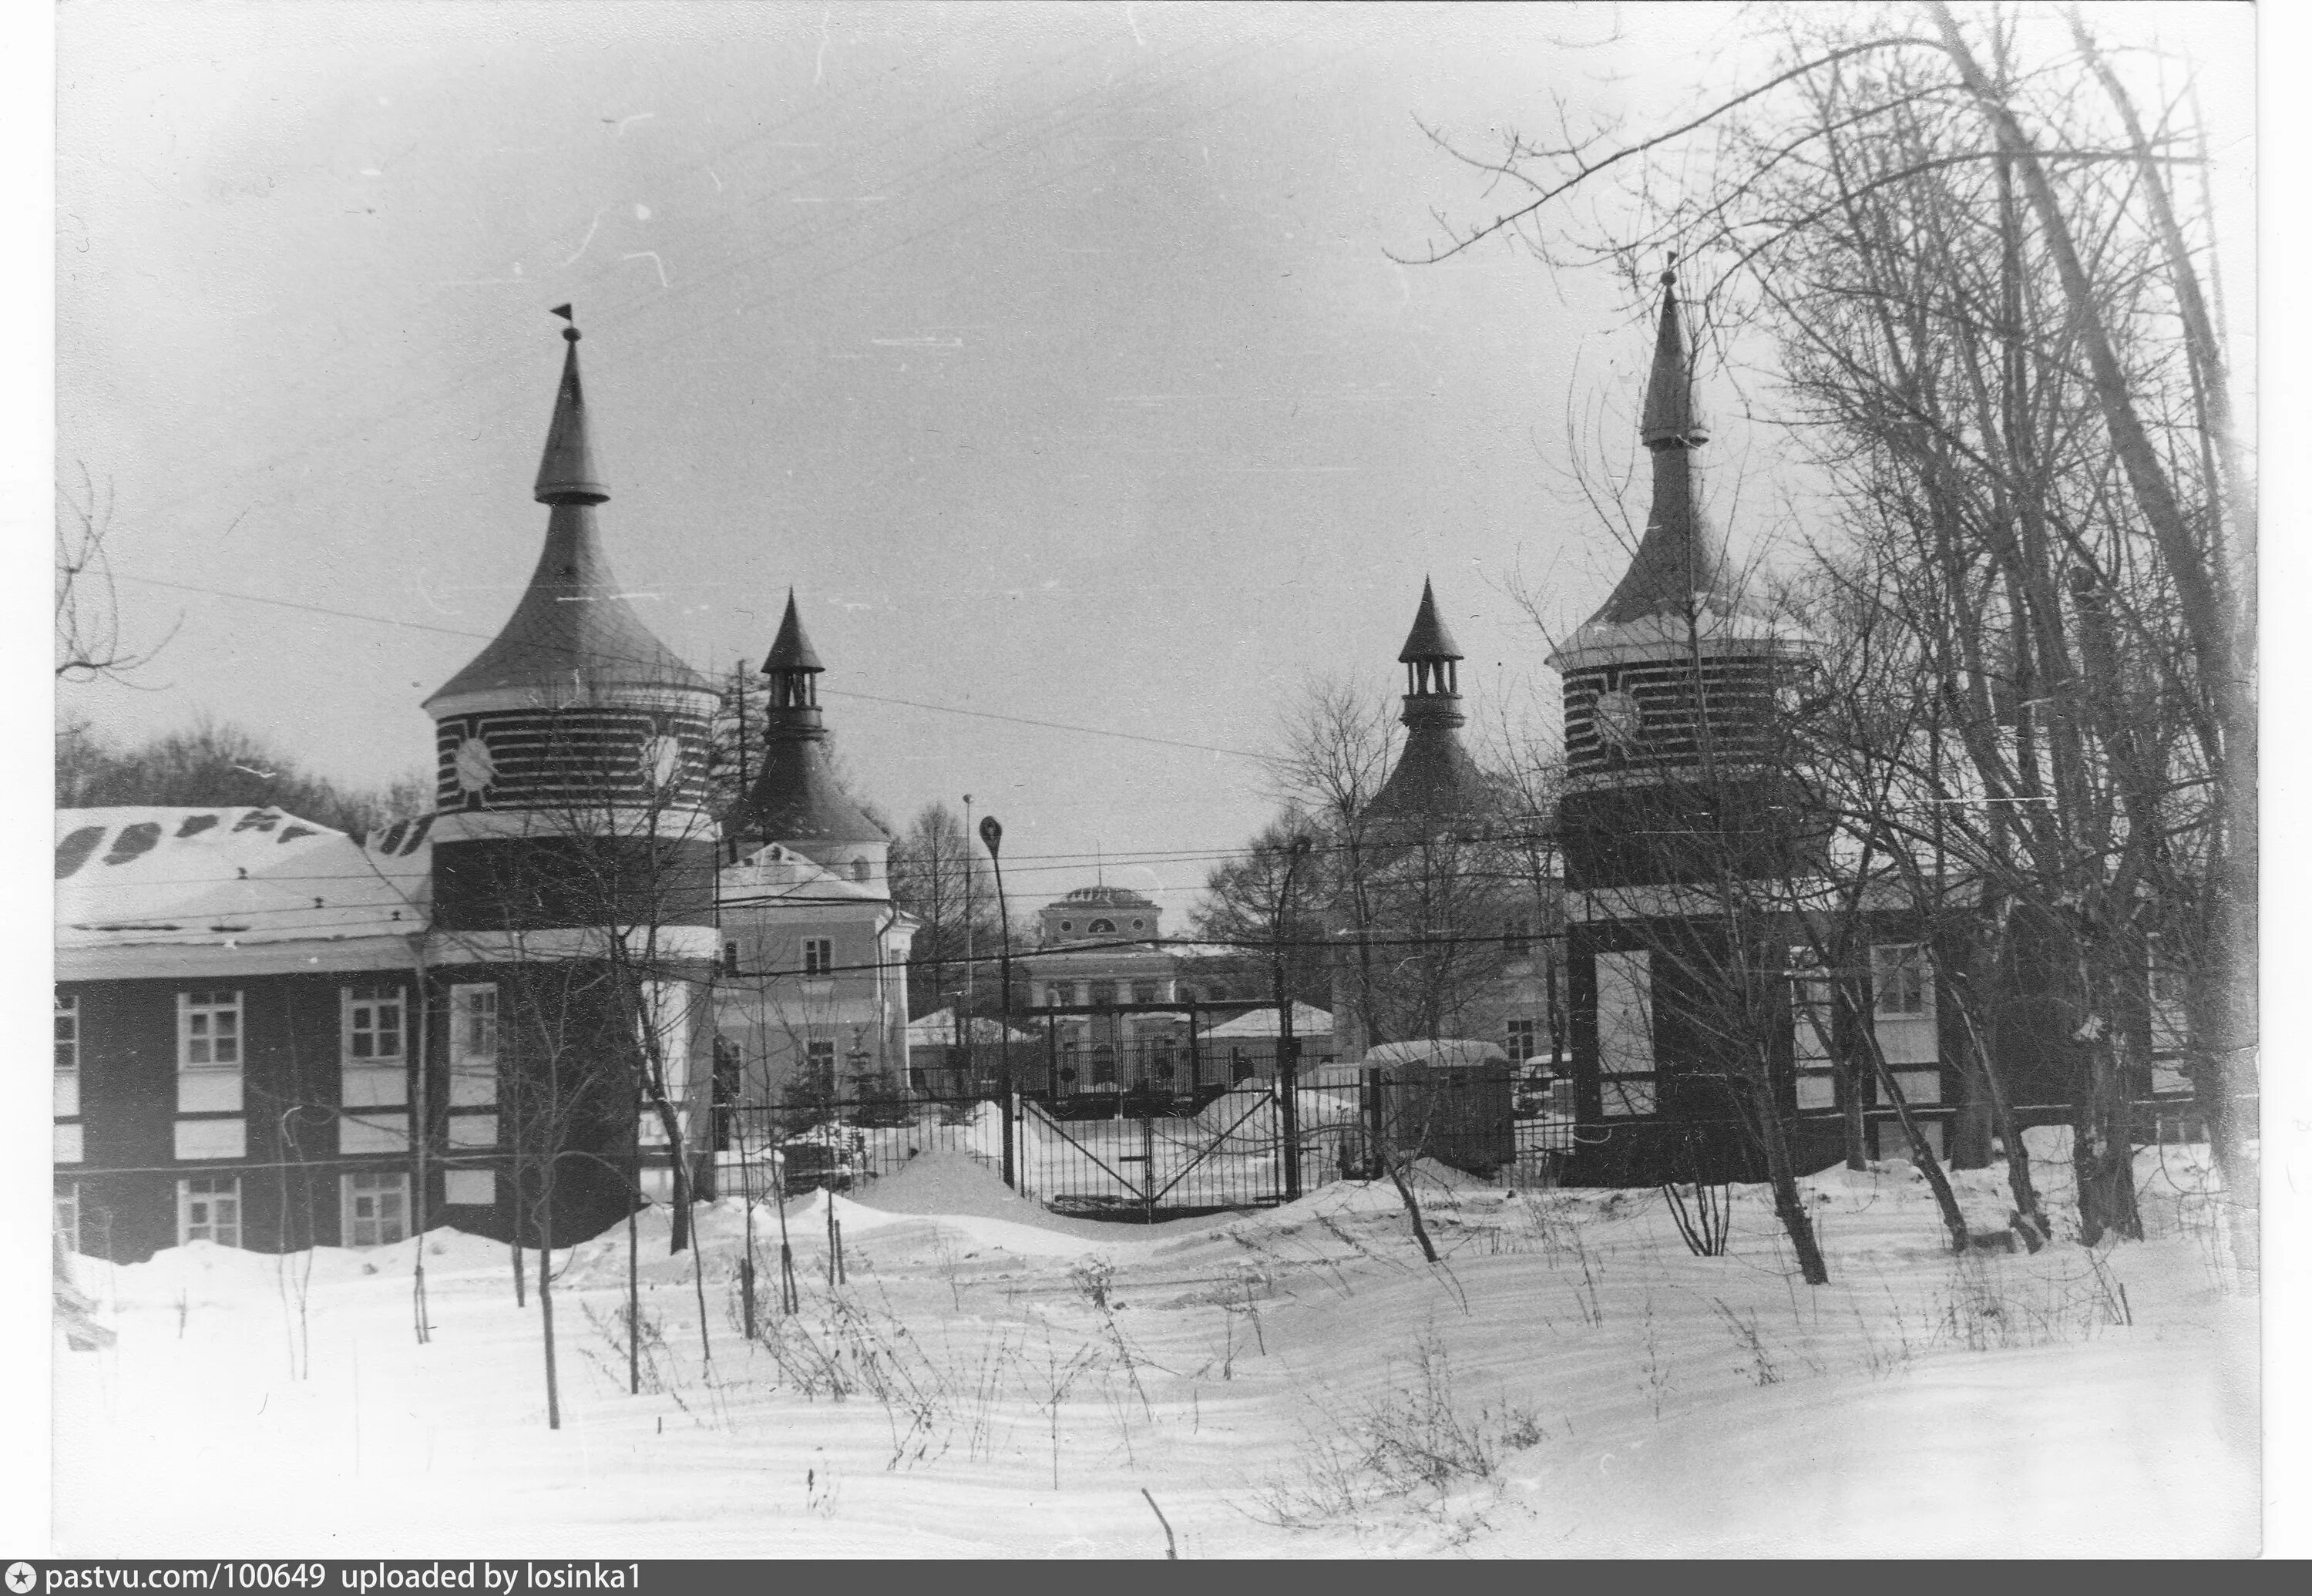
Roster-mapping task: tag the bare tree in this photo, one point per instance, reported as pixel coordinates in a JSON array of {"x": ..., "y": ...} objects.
[
  {"x": 1994, "y": 316},
  {"x": 89, "y": 645}
]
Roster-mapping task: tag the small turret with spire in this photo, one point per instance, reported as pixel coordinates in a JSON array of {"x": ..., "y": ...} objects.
[
  {"x": 798, "y": 801},
  {"x": 1436, "y": 783}
]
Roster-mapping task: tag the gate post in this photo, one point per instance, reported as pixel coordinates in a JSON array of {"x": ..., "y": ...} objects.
[
  {"x": 1375, "y": 1096},
  {"x": 1011, "y": 1100}
]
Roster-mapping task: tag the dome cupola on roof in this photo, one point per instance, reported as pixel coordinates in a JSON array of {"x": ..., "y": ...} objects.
[{"x": 573, "y": 636}]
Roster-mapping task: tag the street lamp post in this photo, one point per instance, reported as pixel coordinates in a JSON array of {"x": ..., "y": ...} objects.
[
  {"x": 991, "y": 832},
  {"x": 1287, "y": 1048}
]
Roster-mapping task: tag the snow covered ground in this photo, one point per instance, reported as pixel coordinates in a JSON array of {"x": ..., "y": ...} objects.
[{"x": 994, "y": 1380}]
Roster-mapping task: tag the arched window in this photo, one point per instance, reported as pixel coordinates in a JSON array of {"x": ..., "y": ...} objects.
[{"x": 1102, "y": 927}]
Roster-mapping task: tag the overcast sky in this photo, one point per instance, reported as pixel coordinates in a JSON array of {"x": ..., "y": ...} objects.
[{"x": 1053, "y": 355}]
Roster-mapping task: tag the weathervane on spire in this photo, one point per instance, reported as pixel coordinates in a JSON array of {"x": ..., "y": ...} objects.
[{"x": 570, "y": 331}]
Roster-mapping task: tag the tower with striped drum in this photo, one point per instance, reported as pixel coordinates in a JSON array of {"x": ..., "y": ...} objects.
[{"x": 573, "y": 924}]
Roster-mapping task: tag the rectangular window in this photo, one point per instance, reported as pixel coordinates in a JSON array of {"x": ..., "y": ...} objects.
[
  {"x": 67, "y": 1078},
  {"x": 471, "y": 1188},
  {"x": 818, "y": 955},
  {"x": 1813, "y": 1000},
  {"x": 1625, "y": 1033},
  {"x": 64, "y": 1144},
  {"x": 1524, "y": 1039},
  {"x": 370, "y": 1068},
  {"x": 1061, "y": 995},
  {"x": 208, "y": 1052},
  {"x": 208, "y": 1030},
  {"x": 1517, "y": 938},
  {"x": 212, "y": 1139},
  {"x": 1903, "y": 1003},
  {"x": 208, "y": 1209},
  {"x": 729, "y": 959},
  {"x": 375, "y": 1209},
  {"x": 67, "y": 1214},
  {"x": 818, "y": 1061},
  {"x": 372, "y": 1024},
  {"x": 474, "y": 1045},
  {"x": 1103, "y": 994},
  {"x": 1143, "y": 991}
]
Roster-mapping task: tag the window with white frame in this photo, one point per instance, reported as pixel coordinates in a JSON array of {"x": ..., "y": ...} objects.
[
  {"x": 1625, "y": 1033},
  {"x": 373, "y": 1070},
  {"x": 817, "y": 956},
  {"x": 209, "y": 1039},
  {"x": 67, "y": 1214},
  {"x": 1902, "y": 1018},
  {"x": 208, "y": 1209},
  {"x": 474, "y": 1045},
  {"x": 374, "y": 1208},
  {"x": 208, "y": 1030},
  {"x": 67, "y": 1078},
  {"x": 819, "y": 1063},
  {"x": 1813, "y": 1008}
]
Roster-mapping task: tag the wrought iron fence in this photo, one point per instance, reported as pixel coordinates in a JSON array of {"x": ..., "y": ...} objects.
[{"x": 1146, "y": 1153}]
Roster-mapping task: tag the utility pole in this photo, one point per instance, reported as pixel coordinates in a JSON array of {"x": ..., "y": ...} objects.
[
  {"x": 963, "y": 1004},
  {"x": 991, "y": 832},
  {"x": 1287, "y": 1048}
]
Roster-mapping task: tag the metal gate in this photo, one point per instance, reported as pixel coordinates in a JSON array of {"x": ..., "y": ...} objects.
[{"x": 1226, "y": 1155}]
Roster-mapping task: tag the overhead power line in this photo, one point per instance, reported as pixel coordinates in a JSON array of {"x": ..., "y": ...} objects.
[{"x": 984, "y": 714}]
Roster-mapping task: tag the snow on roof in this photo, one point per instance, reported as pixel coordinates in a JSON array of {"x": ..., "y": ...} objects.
[
  {"x": 775, "y": 874},
  {"x": 1308, "y": 1020},
  {"x": 233, "y": 875},
  {"x": 1445, "y": 1054},
  {"x": 937, "y": 1030}
]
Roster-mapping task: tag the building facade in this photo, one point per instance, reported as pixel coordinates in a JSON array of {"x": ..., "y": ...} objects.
[{"x": 269, "y": 1034}]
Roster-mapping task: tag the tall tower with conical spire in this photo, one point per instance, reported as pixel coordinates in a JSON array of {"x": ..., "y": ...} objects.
[
  {"x": 1675, "y": 787},
  {"x": 570, "y": 817},
  {"x": 797, "y": 801}
]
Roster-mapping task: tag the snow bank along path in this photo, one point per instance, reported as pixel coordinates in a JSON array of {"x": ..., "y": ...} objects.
[{"x": 997, "y": 1381}]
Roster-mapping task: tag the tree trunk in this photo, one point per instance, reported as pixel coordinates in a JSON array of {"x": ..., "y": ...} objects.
[
  {"x": 1412, "y": 1203},
  {"x": 545, "y": 1305},
  {"x": 1790, "y": 1206},
  {"x": 1923, "y": 1153}
]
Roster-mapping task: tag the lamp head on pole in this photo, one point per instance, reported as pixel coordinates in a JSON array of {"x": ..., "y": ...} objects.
[{"x": 991, "y": 834}]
